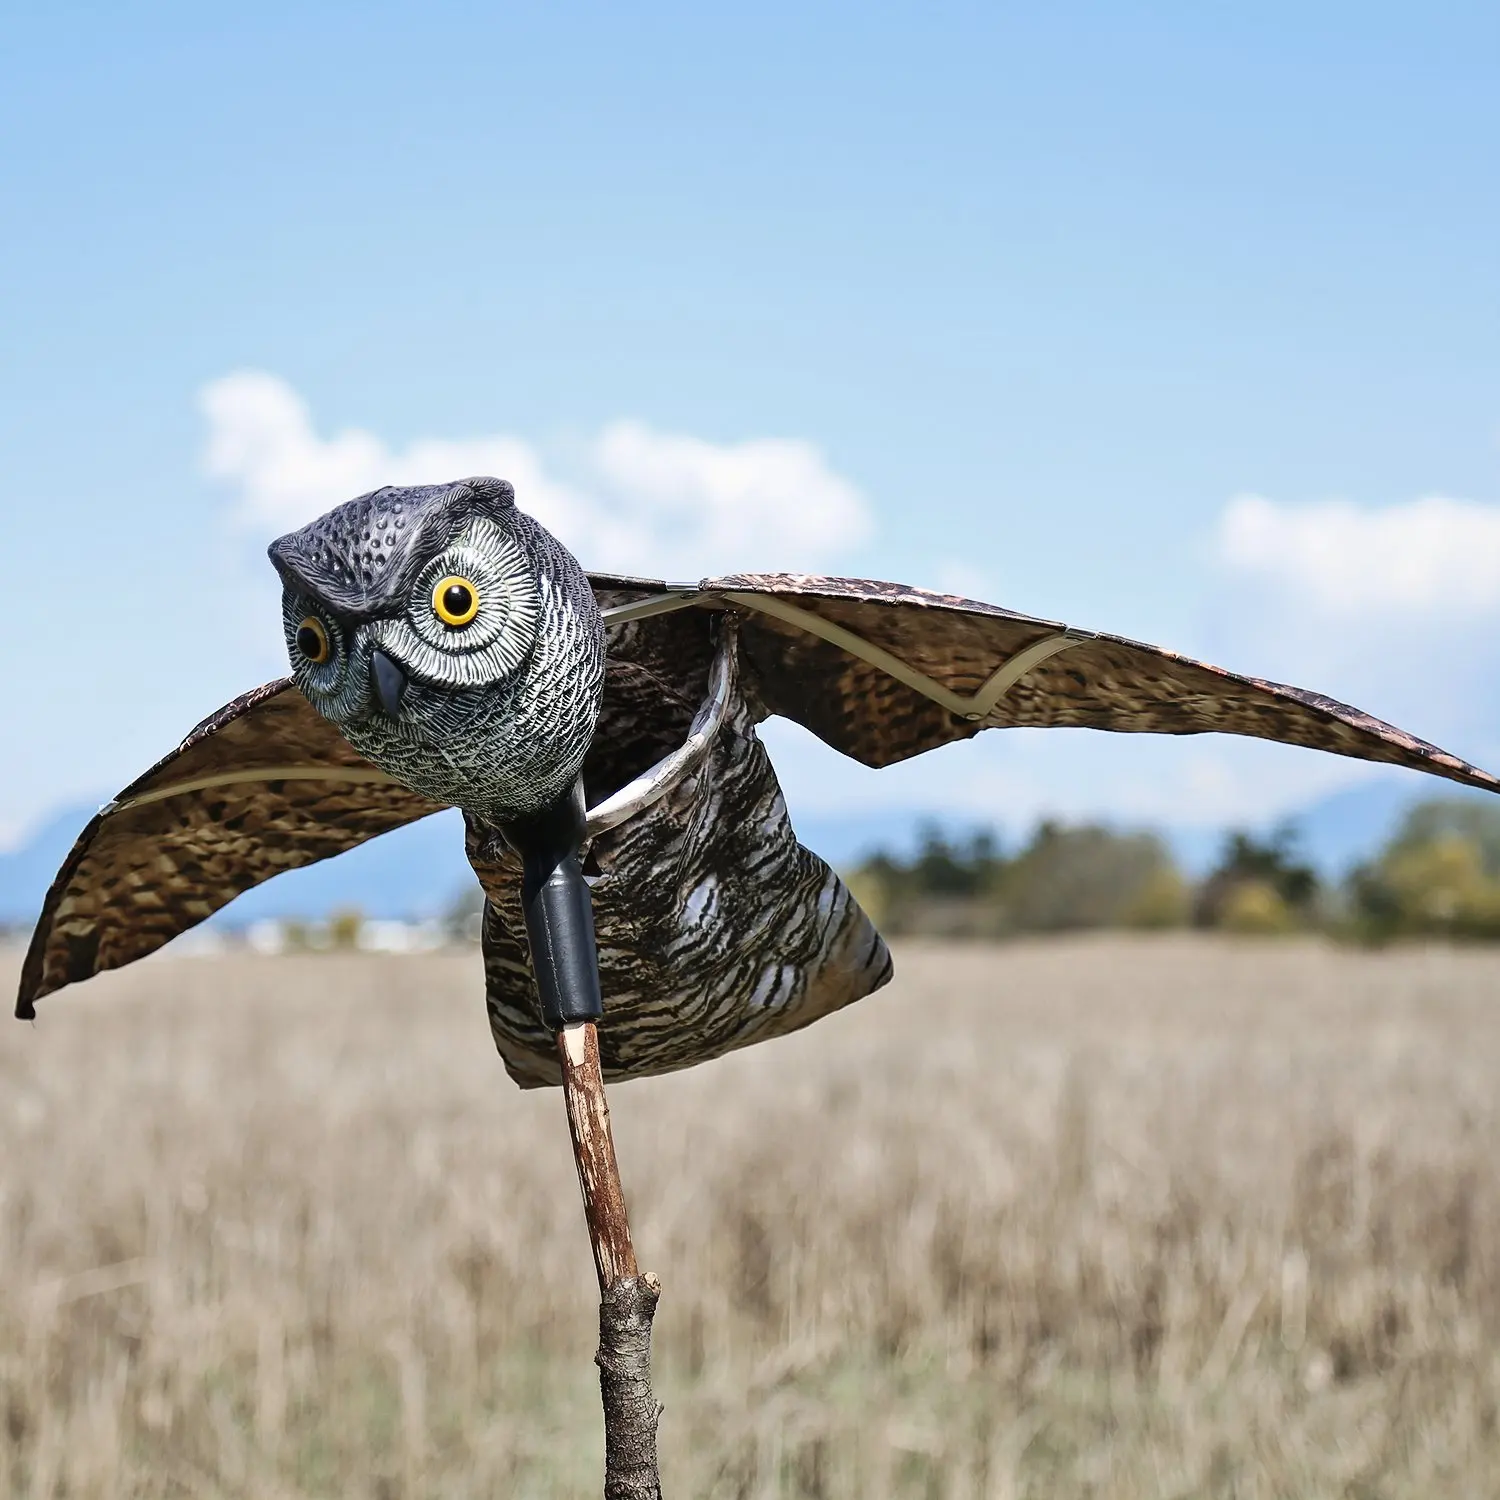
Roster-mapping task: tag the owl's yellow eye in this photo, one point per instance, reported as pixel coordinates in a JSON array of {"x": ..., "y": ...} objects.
[
  {"x": 312, "y": 640},
  {"x": 455, "y": 601}
]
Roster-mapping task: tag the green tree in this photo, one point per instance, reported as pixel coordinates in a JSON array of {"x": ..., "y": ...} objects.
[
  {"x": 1259, "y": 885},
  {"x": 344, "y": 927},
  {"x": 1065, "y": 878},
  {"x": 1438, "y": 877},
  {"x": 1090, "y": 876},
  {"x": 1466, "y": 818},
  {"x": 944, "y": 888}
]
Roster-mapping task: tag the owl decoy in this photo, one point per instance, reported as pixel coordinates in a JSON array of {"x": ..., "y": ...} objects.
[{"x": 447, "y": 651}]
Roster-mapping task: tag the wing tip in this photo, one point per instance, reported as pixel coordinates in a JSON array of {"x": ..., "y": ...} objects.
[{"x": 30, "y": 989}]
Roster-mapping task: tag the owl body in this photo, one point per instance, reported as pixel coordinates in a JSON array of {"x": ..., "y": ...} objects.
[
  {"x": 497, "y": 701},
  {"x": 716, "y": 927}
]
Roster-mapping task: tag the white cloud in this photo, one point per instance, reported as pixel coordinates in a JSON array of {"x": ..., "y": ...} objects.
[
  {"x": 1434, "y": 556},
  {"x": 640, "y": 501},
  {"x": 733, "y": 494}
]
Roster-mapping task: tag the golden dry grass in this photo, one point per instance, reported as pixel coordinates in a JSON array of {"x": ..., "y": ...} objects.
[{"x": 1154, "y": 1217}]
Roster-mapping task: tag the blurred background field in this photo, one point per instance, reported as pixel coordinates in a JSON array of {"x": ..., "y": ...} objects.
[{"x": 1126, "y": 1215}]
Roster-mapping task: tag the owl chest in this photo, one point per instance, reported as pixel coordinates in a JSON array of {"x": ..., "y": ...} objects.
[
  {"x": 715, "y": 928},
  {"x": 495, "y": 755}
]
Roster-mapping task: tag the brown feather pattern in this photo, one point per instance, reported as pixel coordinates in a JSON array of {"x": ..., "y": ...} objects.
[
  {"x": 138, "y": 876},
  {"x": 1104, "y": 682}
]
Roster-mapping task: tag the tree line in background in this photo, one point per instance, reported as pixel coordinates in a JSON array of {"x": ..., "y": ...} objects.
[{"x": 1439, "y": 876}]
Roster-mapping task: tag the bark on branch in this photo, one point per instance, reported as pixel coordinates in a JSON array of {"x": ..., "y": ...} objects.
[
  {"x": 627, "y": 1300},
  {"x": 630, "y": 1410}
]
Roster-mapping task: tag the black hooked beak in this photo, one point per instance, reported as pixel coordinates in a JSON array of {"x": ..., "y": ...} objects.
[{"x": 389, "y": 681}]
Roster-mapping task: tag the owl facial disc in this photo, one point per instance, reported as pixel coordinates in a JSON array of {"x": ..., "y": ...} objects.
[{"x": 452, "y": 640}]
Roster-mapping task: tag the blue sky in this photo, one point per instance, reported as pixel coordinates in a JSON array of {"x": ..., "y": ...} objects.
[{"x": 1177, "y": 321}]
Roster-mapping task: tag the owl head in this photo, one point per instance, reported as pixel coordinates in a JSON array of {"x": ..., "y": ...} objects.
[{"x": 451, "y": 638}]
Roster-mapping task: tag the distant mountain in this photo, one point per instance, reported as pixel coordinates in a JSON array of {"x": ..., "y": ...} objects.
[
  {"x": 1345, "y": 828},
  {"x": 415, "y": 872},
  {"x": 420, "y": 871}
]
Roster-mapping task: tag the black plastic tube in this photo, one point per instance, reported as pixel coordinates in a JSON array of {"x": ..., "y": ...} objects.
[{"x": 559, "y": 911}]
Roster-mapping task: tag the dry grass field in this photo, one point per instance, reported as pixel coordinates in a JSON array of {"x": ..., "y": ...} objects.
[{"x": 1112, "y": 1217}]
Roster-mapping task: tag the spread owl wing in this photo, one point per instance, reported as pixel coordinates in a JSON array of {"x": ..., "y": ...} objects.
[
  {"x": 264, "y": 785},
  {"x": 883, "y": 672}
]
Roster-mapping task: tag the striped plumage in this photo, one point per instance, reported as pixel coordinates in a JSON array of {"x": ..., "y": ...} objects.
[{"x": 715, "y": 927}]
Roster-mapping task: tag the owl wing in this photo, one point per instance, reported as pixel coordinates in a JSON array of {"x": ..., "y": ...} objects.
[
  {"x": 883, "y": 672},
  {"x": 264, "y": 785}
]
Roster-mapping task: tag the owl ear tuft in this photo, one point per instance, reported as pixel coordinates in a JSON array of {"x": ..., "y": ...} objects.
[{"x": 494, "y": 494}]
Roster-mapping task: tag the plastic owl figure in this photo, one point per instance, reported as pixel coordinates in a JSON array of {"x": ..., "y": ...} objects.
[{"x": 447, "y": 651}]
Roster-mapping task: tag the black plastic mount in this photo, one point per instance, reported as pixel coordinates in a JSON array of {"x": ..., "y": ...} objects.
[{"x": 559, "y": 912}]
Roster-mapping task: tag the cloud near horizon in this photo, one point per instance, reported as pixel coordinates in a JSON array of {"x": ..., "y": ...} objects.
[
  {"x": 1434, "y": 557},
  {"x": 633, "y": 500}
]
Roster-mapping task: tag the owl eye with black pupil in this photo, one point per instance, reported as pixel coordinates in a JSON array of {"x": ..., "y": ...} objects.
[
  {"x": 455, "y": 601},
  {"x": 312, "y": 640}
]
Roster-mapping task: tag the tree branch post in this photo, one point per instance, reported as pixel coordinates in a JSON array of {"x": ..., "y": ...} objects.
[
  {"x": 627, "y": 1299},
  {"x": 560, "y": 929}
]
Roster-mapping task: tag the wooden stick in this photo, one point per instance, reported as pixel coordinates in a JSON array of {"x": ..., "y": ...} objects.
[
  {"x": 594, "y": 1153},
  {"x": 627, "y": 1300}
]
